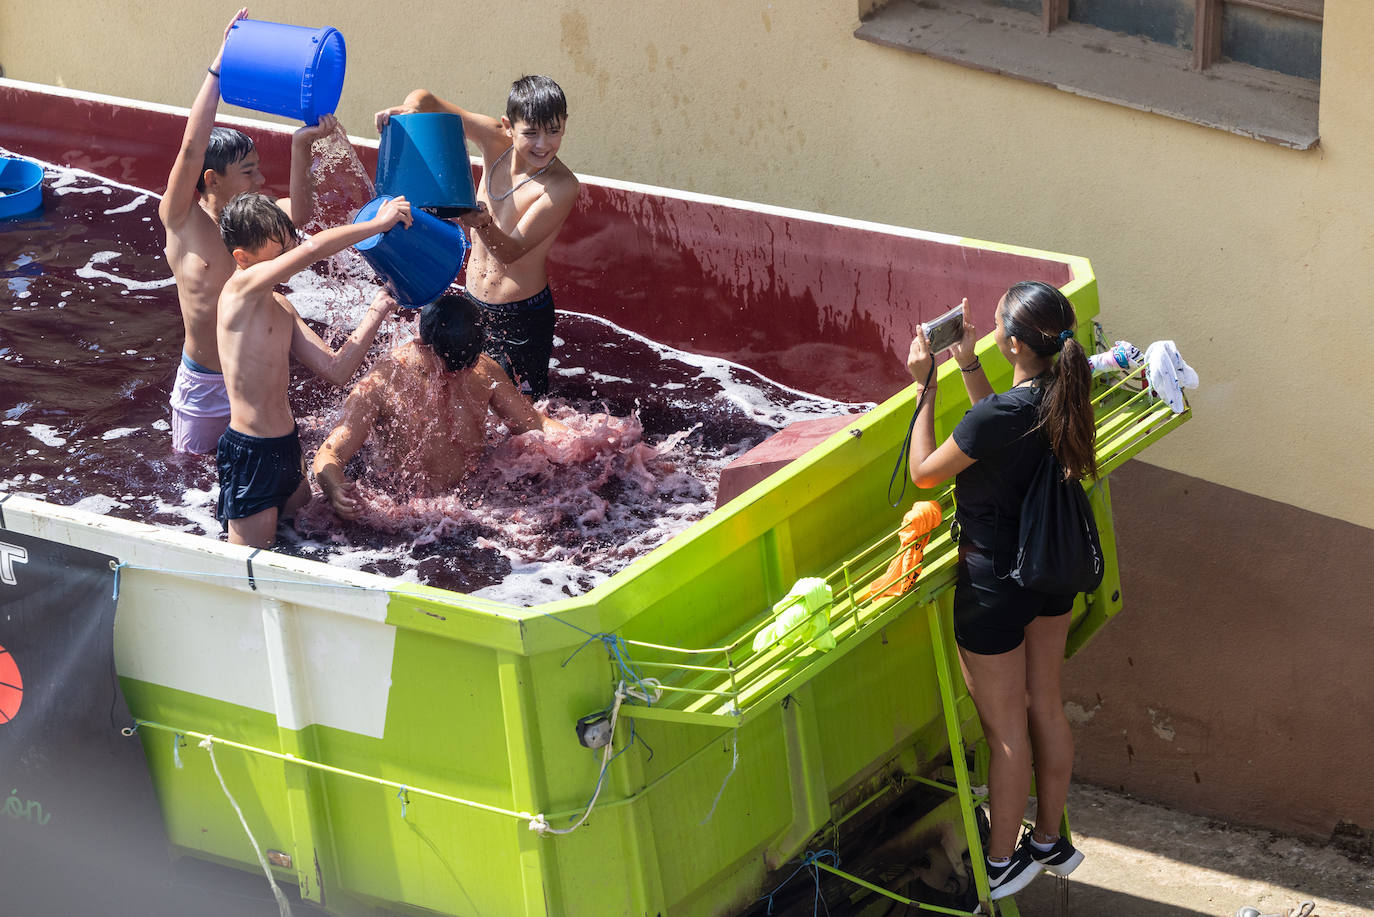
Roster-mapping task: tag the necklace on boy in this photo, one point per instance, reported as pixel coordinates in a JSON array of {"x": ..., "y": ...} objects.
[{"x": 514, "y": 188}]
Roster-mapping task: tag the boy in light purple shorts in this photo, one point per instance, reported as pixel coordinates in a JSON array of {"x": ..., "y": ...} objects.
[
  {"x": 200, "y": 408},
  {"x": 214, "y": 164}
]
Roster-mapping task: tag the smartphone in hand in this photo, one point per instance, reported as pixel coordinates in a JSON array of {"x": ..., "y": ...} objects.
[{"x": 945, "y": 330}]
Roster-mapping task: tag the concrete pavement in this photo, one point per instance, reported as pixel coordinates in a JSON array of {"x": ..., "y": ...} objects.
[{"x": 1145, "y": 860}]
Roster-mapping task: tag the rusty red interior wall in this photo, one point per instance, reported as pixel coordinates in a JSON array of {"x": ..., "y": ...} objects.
[{"x": 820, "y": 306}]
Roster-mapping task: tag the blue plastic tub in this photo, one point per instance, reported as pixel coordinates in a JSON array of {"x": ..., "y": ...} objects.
[
  {"x": 417, "y": 264},
  {"x": 424, "y": 157},
  {"x": 21, "y": 187},
  {"x": 287, "y": 70}
]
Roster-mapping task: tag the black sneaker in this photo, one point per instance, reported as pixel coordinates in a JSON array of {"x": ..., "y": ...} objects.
[
  {"x": 1014, "y": 875},
  {"x": 1061, "y": 859}
]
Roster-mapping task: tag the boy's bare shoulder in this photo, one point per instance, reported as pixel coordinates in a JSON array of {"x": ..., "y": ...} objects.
[
  {"x": 562, "y": 183},
  {"x": 488, "y": 373}
]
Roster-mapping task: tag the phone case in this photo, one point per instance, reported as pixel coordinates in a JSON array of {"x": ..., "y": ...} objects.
[{"x": 945, "y": 330}]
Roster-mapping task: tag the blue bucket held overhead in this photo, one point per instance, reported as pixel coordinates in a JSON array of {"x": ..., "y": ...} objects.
[
  {"x": 423, "y": 157},
  {"x": 21, "y": 187},
  {"x": 280, "y": 69},
  {"x": 416, "y": 264}
]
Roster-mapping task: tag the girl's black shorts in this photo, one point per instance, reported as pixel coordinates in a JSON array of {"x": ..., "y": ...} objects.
[{"x": 991, "y": 613}]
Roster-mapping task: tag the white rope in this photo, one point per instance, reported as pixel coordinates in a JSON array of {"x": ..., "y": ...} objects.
[
  {"x": 539, "y": 823},
  {"x": 734, "y": 763},
  {"x": 208, "y": 743},
  {"x": 649, "y": 690}
]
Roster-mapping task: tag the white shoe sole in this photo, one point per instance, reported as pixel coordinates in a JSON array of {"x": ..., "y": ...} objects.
[
  {"x": 1066, "y": 867},
  {"x": 1015, "y": 885}
]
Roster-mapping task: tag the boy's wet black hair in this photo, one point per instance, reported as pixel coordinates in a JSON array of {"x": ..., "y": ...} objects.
[
  {"x": 536, "y": 100},
  {"x": 227, "y": 146},
  {"x": 251, "y": 220},
  {"x": 451, "y": 326}
]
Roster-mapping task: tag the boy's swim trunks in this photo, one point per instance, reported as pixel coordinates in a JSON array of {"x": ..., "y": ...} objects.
[
  {"x": 256, "y": 473},
  {"x": 520, "y": 338},
  {"x": 200, "y": 408}
]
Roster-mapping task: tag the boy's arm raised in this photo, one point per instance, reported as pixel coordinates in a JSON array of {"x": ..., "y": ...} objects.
[
  {"x": 300, "y": 206},
  {"x": 267, "y": 274},
  {"x": 483, "y": 130},
  {"x": 181, "y": 194},
  {"x": 338, "y": 366}
]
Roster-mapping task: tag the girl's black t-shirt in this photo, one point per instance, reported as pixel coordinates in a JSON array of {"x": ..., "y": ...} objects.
[{"x": 999, "y": 432}]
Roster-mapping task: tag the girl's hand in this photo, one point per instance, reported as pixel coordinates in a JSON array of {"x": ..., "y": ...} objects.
[
  {"x": 962, "y": 349},
  {"x": 919, "y": 361}
]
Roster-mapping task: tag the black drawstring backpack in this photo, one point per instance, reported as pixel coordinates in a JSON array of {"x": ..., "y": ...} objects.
[{"x": 1058, "y": 550}]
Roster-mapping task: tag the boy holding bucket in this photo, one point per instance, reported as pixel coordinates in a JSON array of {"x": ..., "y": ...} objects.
[
  {"x": 213, "y": 165},
  {"x": 261, "y": 469},
  {"x": 525, "y": 195}
]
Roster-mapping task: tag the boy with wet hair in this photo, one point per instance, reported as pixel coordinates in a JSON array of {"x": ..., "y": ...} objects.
[
  {"x": 525, "y": 195},
  {"x": 261, "y": 470},
  {"x": 427, "y": 404},
  {"x": 213, "y": 165}
]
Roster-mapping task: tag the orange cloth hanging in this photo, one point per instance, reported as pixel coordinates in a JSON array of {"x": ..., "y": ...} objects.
[{"x": 922, "y": 519}]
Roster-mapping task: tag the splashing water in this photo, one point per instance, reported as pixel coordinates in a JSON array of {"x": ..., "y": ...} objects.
[
  {"x": 88, "y": 351},
  {"x": 342, "y": 185}
]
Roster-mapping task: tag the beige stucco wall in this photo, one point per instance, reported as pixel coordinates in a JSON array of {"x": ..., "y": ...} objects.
[{"x": 1255, "y": 259}]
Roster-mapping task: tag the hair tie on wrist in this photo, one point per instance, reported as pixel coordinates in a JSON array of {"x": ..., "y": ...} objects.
[
  {"x": 212, "y": 71},
  {"x": 1065, "y": 335}
]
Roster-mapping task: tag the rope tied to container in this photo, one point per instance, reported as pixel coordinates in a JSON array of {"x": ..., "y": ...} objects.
[
  {"x": 208, "y": 743},
  {"x": 807, "y": 862},
  {"x": 539, "y": 824},
  {"x": 641, "y": 688}
]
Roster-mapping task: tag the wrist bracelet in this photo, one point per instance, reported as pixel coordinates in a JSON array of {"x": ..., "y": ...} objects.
[
  {"x": 976, "y": 364},
  {"x": 212, "y": 71}
]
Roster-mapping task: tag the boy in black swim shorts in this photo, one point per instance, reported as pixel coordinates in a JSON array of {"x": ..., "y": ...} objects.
[
  {"x": 257, "y": 473},
  {"x": 259, "y": 456},
  {"x": 520, "y": 339},
  {"x": 525, "y": 195}
]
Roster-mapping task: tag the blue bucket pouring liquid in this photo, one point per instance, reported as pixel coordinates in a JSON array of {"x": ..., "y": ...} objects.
[
  {"x": 21, "y": 187},
  {"x": 423, "y": 157},
  {"x": 286, "y": 70},
  {"x": 416, "y": 264}
]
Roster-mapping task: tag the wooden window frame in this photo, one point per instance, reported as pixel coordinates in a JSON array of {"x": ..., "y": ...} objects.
[{"x": 1206, "y": 22}]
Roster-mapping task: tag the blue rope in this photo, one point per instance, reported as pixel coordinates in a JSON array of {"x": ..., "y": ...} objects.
[
  {"x": 808, "y": 862},
  {"x": 615, "y": 648},
  {"x": 118, "y": 567}
]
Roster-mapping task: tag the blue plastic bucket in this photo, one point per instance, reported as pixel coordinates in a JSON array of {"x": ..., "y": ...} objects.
[
  {"x": 286, "y": 70},
  {"x": 21, "y": 187},
  {"x": 423, "y": 156},
  {"x": 416, "y": 264}
]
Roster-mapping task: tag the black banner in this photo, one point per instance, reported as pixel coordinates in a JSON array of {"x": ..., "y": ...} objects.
[{"x": 80, "y": 827}]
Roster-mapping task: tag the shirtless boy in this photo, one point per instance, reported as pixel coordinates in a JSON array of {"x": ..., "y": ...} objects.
[
  {"x": 213, "y": 165},
  {"x": 261, "y": 470},
  {"x": 525, "y": 195},
  {"x": 427, "y": 403}
]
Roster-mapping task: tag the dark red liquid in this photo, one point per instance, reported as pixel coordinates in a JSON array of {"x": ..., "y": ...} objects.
[{"x": 90, "y": 334}]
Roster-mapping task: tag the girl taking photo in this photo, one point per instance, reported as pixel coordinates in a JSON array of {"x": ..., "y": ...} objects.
[{"x": 1011, "y": 639}]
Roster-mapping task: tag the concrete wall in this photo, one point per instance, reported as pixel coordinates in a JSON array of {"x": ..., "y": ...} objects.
[{"x": 1254, "y": 258}]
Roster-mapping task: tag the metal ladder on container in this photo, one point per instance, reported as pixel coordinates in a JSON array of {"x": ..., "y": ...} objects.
[{"x": 727, "y": 685}]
